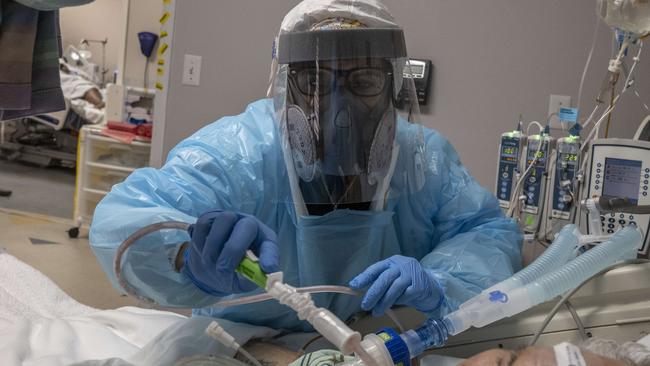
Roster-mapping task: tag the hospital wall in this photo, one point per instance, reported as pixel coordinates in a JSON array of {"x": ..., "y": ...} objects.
[
  {"x": 143, "y": 17},
  {"x": 493, "y": 61}
]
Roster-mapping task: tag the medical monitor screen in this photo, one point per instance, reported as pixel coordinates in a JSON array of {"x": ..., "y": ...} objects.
[{"x": 622, "y": 179}]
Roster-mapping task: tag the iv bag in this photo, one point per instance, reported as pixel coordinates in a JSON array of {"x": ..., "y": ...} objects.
[{"x": 628, "y": 15}]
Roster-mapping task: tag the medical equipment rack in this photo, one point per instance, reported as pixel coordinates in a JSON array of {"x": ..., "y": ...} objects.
[{"x": 101, "y": 163}]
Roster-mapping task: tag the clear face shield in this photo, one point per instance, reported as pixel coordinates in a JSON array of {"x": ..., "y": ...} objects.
[{"x": 346, "y": 115}]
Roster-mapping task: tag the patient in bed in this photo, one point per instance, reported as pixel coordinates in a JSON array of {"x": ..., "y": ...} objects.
[
  {"x": 41, "y": 325},
  {"x": 82, "y": 94},
  {"x": 76, "y": 85},
  {"x": 594, "y": 352}
]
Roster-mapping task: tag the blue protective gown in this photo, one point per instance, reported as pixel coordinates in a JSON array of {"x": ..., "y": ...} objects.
[{"x": 452, "y": 225}]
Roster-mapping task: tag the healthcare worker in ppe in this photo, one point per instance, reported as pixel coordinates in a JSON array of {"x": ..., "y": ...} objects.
[{"x": 331, "y": 181}]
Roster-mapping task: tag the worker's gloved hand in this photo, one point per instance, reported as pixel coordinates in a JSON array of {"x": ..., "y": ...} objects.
[
  {"x": 398, "y": 280},
  {"x": 219, "y": 241}
]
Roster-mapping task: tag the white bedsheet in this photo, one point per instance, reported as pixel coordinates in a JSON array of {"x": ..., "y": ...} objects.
[
  {"x": 41, "y": 325},
  {"x": 87, "y": 111},
  {"x": 75, "y": 86},
  {"x": 26, "y": 294}
]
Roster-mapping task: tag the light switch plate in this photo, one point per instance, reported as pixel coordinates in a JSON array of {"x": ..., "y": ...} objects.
[{"x": 192, "y": 70}]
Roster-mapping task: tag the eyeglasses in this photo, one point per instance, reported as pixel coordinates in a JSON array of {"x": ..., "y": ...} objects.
[{"x": 363, "y": 82}]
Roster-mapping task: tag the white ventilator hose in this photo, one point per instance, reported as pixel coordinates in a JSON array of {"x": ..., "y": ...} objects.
[
  {"x": 483, "y": 311},
  {"x": 303, "y": 290},
  {"x": 555, "y": 256}
]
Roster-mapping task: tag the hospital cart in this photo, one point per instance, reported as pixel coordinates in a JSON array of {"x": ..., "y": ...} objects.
[{"x": 102, "y": 162}]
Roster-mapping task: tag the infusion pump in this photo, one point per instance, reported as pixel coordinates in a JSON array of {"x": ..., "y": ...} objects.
[{"x": 620, "y": 168}]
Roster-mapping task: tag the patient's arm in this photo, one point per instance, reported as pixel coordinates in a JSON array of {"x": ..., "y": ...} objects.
[{"x": 93, "y": 96}]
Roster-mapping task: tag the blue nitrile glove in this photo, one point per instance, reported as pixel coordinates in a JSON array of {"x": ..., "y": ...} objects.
[
  {"x": 398, "y": 280},
  {"x": 219, "y": 243}
]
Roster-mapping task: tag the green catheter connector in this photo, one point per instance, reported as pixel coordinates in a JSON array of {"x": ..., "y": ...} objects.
[{"x": 250, "y": 268}]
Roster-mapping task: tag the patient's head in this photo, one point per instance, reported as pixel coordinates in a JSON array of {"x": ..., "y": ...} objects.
[{"x": 596, "y": 352}]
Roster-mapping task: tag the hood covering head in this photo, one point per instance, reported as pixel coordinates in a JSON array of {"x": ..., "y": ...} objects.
[{"x": 337, "y": 82}]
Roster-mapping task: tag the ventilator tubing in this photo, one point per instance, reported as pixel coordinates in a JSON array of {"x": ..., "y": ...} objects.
[
  {"x": 555, "y": 256},
  {"x": 252, "y": 299},
  {"x": 323, "y": 321},
  {"x": 433, "y": 333},
  {"x": 490, "y": 307},
  {"x": 387, "y": 350},
  {"x": 375, "y": 349}
]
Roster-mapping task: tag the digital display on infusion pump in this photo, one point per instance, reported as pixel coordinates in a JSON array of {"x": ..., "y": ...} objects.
[
  {"x": 570, "y": 157},
  {"x": 510, "y": 151},
  {"x": 622, "y": 179},
  {"x": 537, "y": 155}
]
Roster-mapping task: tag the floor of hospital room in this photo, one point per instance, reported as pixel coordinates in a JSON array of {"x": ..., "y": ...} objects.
[
  {"x": 47, "y": 191},
  {"x": 43, "y": 243}
]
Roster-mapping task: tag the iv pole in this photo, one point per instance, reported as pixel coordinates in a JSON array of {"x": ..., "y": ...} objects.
[{"x": 103, "y": 42}]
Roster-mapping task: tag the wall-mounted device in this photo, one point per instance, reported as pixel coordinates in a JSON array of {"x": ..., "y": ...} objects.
[
  {"x": 538, "y": 154},
  {"x": 421, "y": 72},
  {"x": 510, "y": 151},
  {"x": 621, "y": 168},
  {"x": 129, "y": 104}
]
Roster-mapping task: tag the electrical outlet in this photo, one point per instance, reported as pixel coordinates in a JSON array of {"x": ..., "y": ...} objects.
[
  {"x": 192, "y": 70},
  {"x": 555, "y": 103}
]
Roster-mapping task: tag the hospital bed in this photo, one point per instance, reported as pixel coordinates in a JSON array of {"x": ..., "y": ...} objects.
[
  {"x": 56, "y": 330},
  {"x": 42, "y": 325},
  {"x": 37, "y": 126},
  {"x": 51, "y": 139}
]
